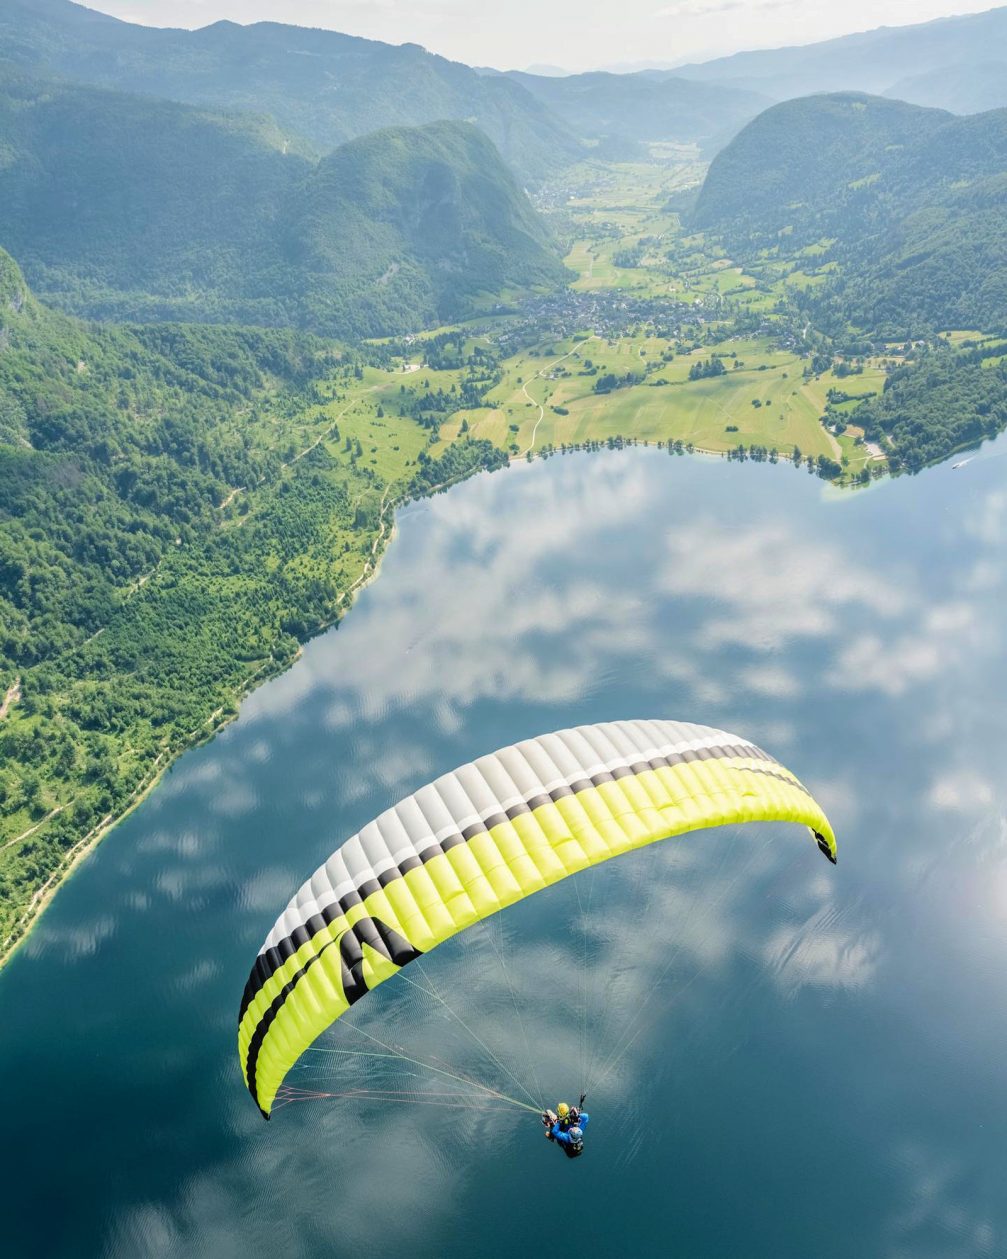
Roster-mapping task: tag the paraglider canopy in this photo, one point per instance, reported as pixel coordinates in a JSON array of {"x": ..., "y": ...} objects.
[{"x": 481, "y": 838}]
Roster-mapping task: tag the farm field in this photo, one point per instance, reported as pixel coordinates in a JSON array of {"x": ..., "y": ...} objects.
[
  {"x": 714, "y": 414},
  {"x": 605, "y": 377}
]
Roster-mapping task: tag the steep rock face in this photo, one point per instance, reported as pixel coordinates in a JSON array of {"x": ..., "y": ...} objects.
[
  {"x": 907, "y": 201},
  {"x": 320, "y": 84}
]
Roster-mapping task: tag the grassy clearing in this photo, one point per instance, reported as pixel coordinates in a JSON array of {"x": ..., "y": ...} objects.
[
  {"x": 665, "y": 405},
  {"x": 959, "y": 336}
]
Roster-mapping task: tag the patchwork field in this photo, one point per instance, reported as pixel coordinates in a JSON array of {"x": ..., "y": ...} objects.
[{"x": 604, "y": 369}]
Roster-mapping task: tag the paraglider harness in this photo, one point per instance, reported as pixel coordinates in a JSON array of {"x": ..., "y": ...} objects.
[{"x": 575, "y": 1146}]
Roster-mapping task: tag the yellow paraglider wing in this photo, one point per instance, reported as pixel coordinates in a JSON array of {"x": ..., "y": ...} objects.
[{"x": 481, "y": 838}]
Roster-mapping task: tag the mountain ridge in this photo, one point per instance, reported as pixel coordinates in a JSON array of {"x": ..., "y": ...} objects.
[
  {"x": 638, "y": 107},
  {"x": 345, "y": 86},
  {"x": 869, "y": 61}
]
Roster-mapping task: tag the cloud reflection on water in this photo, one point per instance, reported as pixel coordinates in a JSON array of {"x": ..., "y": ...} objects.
[{"x": 596, "y": 587}]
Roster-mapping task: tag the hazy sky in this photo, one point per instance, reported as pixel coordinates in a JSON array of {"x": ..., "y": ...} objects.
[{"x": 574, "y": 34}]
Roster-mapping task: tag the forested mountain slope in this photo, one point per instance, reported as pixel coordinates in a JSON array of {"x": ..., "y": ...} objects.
[
  {"x": 807, "y": 160},
  {"x": 114, "y": 442},
  {"x": 178, "y": 509},
  {"x": 125, "y": 207},
  {"x": 119, "y": 204},
  {"x": 640, "y": 107},
  {"x": 907, "y": 203},
  {"x": 420, "y": 220},
  {"x": 324, "y": 85}
]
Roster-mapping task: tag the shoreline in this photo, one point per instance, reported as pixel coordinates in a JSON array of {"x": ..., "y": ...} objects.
[
  {"x": 210, "y": 728},
  {"x": 384, "y": 536}
]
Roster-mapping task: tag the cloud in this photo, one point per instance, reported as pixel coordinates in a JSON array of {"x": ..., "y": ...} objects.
[
  {"x": 698, "y": 8},
  {"x": 771, "y": 680},
  {"x": 963, "y": 790},
  {"x": 72, "y": 943},
  {"x": 938, "y": 1200},
  {"x": 987, "y": 519},
  {"x": 946, "y": 633},
  {"x": 776, "y": 588},
  {"x": 714, "y": 8},
  {"x": 815, "y": 954},
  {"x": 479, "y": 614},
  {"x": 867, "y": 664}
]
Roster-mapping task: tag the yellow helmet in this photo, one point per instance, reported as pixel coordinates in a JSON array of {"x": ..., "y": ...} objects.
[{"x": 562, "y": 1110}]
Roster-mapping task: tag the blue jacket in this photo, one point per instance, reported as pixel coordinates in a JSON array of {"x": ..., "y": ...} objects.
[{"x": 563, "y": 1136}]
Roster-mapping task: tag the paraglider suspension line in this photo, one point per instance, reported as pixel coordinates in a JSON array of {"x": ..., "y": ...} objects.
[{"x": 395, "y": 1052}]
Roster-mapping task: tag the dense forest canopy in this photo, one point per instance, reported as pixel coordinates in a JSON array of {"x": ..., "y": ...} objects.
[
  {"x": 907, "y": 202},
  {"x": 121, "y": 443},
  {"x": 946, "y": 401}
]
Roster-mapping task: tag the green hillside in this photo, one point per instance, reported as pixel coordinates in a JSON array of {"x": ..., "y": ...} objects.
[
  {"x": 180, "y": 506},
  {"x": 902, "y": 208},
  {"x": 129, "y": 208},
  {"x": 413, "y": 221},
  {"x": 119, "y": 444},
  {"x": 323, "y": 85},
  {"x": 117, "y": 205},
  {"x": 810, "y": 166}
]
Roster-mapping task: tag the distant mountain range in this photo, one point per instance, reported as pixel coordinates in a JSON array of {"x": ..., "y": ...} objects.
[
  {"x": 641, "y": 107},
  {"x": 324, "y": 86},
  {"x": 872, "y": 61},
  {"x": 908, "y": 201},
  {"x": 968, "y": 88},
  {"x": 959, "y": 64},
  {"x": 130, "y": 208}
]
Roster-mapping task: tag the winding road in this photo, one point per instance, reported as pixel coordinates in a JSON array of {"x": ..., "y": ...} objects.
[{"x": 534, "y": 401}]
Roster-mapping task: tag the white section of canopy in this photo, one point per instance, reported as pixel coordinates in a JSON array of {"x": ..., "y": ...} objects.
[{"x": 483, "y": 789}]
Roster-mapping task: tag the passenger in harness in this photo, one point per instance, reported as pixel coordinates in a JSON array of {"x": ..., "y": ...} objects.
[{"x": 566, "y": 1127}]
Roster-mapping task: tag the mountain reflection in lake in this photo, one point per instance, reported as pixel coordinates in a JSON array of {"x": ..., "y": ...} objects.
[{"x": 818, "y": 1071}]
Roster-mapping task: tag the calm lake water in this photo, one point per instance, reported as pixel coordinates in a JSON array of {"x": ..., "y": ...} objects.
[{"x": 814, "y": 1058}]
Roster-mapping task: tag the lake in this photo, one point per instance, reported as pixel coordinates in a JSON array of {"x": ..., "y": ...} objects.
[{"x": 787, "y": 1059}]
